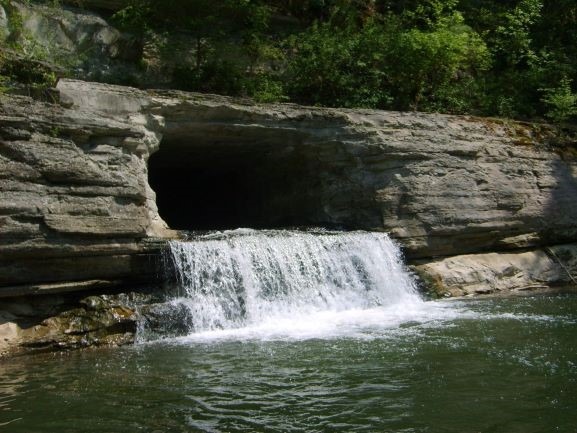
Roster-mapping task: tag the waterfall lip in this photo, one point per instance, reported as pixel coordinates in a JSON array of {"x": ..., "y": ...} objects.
[{"x": 193, "y": 236}]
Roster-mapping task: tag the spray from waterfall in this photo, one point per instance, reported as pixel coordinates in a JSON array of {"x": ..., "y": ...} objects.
[{"x": 247, "y": 278}]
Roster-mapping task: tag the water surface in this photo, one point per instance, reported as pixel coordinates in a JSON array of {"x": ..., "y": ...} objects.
[{"x": 491, "y": 365}]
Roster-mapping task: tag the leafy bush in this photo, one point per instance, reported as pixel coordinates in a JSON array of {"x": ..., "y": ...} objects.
[
  {"x": 381, "y": 65},
  {"x": 217, "y": 76},
  {"x": 266, "y": 88},
  {"x": 338, "y": 68},
  {"x": 561, "y": 101},
  {"x": 432, "y": 69}
]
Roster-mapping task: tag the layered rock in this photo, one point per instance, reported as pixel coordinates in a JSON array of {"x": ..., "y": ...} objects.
[
  {"x": 479, "y": 205},
  {"x": 59, "y": 322},
  {"x": 442, "y": 185},
  {"x": 76, "y": 204},
  {"x": 479, "y": 274}
]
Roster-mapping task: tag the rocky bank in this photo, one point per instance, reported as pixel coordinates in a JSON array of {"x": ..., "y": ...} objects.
[{"x": 479, "y": 205}]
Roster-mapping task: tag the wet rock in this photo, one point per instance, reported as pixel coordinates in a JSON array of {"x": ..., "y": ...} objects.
[
  {"x": 479, "y": 274},
  {"x": 164, "y": 320},
  {"x": 43, "y": 323}
]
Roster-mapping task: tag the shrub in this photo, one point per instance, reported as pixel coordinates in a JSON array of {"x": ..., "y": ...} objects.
[{"x": 561, "y": 101}]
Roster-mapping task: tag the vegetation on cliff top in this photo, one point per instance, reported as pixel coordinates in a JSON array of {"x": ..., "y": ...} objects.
[{"x": 514, "y": 58}]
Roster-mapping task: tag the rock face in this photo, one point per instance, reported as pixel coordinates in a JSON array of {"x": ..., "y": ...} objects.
[
  {"x": 442, "y": 185},
  {"x": 75, "y": 201},
  {"x": 479, "y": 205},
  {"x": 49, "y": 322},
  {"x": 479, "y": 274},
  {"x": 73, "y": 38},
  {"x": 73, "y": 193}
]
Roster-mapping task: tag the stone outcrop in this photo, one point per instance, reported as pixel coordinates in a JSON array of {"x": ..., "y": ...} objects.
[
  {"x": 75, "y": 202},
  {"x": 72, "y": 38},
  {"x": 479, "y": 205},
  {"x": 58, "y": 322},
  {"x": 73, "y": 193},
  {"x": 442, "y": 185},
  {"x": 95, "y": 181},
  {"x": 479, "y": 274}
]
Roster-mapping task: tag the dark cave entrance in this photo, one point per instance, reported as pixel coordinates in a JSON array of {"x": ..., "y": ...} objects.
[{"x": 210, "y": 183}]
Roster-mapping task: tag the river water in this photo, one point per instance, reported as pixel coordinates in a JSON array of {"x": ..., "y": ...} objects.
[{"x": 312, "y": 332}]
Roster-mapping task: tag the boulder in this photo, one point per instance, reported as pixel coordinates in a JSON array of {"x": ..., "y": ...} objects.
[
  {"x": 73, "y": 39},
  {"x": 62, "y": 322},
  {"x": 481, "y": 274}
]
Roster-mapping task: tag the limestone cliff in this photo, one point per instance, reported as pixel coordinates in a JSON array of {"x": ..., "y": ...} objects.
[
  {"x": 76, "y": 205},
  {"x": 93, "y": 183},
  {"x": 479, "y": 205}
]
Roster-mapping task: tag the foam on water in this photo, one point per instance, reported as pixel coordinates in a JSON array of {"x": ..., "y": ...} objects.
[
  {"x": 294, "y": 285},
  {"x": 362, "y": 324}
]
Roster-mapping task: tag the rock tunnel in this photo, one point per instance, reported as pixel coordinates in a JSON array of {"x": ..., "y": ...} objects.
[{"x": 224, "y": 179}]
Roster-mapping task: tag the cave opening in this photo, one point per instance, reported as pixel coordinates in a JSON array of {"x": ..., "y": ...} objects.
[{"x": 224, "y": 183}]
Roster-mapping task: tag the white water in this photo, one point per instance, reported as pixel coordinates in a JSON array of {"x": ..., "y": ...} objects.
[{"x": 266, "y": 284}]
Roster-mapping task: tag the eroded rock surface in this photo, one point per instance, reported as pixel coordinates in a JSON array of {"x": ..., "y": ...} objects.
[
  {"x": 62, "y": 322},
  {"x": 442, "y": 185},
  {"x": 479, "y": 274},
  {"x": 482, "y": 205},
  {"x": 75, "y": 202},
  {"x": 74, "y": 199}
]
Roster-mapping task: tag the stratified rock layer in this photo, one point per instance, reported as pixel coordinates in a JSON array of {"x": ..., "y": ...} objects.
[
  {"x": 74, "y": 199},
  {"x": 75, "y": 204},
  {"x": 479, "y": 274}
]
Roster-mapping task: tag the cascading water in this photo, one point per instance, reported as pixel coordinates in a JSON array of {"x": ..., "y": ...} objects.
[
  {"x": 309, "y": 332},
  {"x": 282, "y": 279}
]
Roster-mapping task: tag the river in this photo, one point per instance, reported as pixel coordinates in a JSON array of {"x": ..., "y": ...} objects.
[{"x": 338, "y": 341}]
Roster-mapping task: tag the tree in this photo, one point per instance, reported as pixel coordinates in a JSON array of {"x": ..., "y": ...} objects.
[
  {"x": 338, "y": 68},
  {"x": 561, "y": 101},
  {"x": 424, "y": 66}
]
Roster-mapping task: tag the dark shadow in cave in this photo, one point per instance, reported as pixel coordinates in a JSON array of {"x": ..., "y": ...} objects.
[{"x": 204, "y": 184}]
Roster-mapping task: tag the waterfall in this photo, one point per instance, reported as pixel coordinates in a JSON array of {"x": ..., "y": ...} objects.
[{"x": 244, "y": 278}]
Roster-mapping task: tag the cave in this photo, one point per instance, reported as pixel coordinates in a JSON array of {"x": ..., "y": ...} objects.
[{"x": 206, "y": 182}]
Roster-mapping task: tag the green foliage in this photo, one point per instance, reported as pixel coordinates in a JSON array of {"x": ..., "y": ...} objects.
[
  {"x": 338, "y": 68},
  {"x": 203, "y": 18},
  {"x": 135, "y": 16},
  {"x": 513, "y": 38},
  {"x": 34, "y": 76},
  {"x": 266, "y": 88},
  {"x": 227, "y": 42},
  {"x": 217, "y": 76},
  {"x": 512, "y": 58},
  {"x": 560, "y": 101},
  {"x": 426, "y": 14},
  {"x": 432, "y": 69},
  {"x": 27, "y": 63},
  {"x": 379, "y": 64},
  {"x": 4, "y": 80}
]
